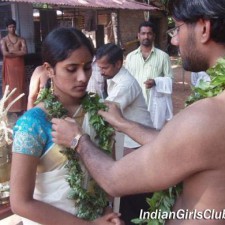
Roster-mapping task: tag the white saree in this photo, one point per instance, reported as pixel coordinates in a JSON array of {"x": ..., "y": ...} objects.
[{"x": 51, "y": 186}]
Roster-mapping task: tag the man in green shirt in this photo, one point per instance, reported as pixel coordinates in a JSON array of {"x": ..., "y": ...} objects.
[{"x": 152, "y": 69}]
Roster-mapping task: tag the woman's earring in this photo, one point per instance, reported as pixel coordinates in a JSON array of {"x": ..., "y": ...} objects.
[{"x": 52, "y": 87}]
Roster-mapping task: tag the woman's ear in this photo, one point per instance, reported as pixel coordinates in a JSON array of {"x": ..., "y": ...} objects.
[{"x": 49, "y": 70}]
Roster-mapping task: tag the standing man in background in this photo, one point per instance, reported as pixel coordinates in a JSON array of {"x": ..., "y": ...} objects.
[
  {"x": 124, "y": 89},
  {"x": 152, "y": 69},
  {"x": 13, "y": 73}
]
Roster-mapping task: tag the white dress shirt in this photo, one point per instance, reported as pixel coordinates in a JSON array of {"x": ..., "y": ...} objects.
[{"x": 124, "y": 89}]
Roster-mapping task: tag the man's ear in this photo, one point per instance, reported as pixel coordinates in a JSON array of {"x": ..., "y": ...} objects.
[
  {"x": 49, "y": 70},
  {"x": 119, "y": 64},
  {"x": 205, "y": 30},
  {"x": 138, "y": 36}
]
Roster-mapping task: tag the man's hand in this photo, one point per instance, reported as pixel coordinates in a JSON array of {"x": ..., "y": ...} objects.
[
  {"x": 64, "y": 131},
  {"x": 149, "y": 83},
  {"x": 109, "y": 219},
  {"x": 38, "y": 80},
  {"x": 113, "y": 115}
]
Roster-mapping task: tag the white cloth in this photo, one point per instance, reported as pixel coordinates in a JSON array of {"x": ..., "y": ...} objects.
[
  {"x": 124, "y": 89},
  {"x": 52, "y": 188},
  {"x": 96, "y": 83},
  {"x": 197, "y": 77},
  {"x": 161, "y": 108}
]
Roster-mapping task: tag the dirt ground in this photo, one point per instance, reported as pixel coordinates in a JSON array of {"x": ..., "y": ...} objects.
[{"x": 181, "y": 86}]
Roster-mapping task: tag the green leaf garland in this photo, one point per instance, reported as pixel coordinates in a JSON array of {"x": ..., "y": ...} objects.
[
  {"x": 164, "y": 200},
  {"x": 89, "y": 202}
]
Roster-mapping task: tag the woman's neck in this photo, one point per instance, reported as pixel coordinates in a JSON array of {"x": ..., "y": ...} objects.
[{"x": 70, "y": 104}]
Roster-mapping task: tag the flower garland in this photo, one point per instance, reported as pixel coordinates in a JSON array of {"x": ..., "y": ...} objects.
[
  {"x": 91, "y": 201},
  {"x": 164, "y": 200}
]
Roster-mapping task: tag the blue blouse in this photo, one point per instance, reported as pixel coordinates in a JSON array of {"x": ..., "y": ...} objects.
[{"x": 32, "y": 133}]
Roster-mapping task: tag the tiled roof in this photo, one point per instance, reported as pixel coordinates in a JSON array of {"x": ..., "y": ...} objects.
[{"x": 109, "y": 4}]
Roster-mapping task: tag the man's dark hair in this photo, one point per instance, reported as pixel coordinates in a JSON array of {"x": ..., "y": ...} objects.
[
  {"x": 190, "y": 11},
  {"x": 10, "y": 22},
  {"x": 147, "y": 24},
  {"x": 113, "y": 53}
]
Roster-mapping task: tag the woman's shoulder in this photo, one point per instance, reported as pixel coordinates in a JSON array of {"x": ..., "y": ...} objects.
[
  {"x": 33, "y": 117},
  {"x": 31, "y": 132},
  {"x": 35, "y": 113}
]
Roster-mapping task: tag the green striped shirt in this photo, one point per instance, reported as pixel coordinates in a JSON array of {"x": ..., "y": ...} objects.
[{"x": 156, "y": 65}]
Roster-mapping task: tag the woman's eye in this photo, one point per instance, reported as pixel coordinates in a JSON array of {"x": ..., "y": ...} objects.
[
  {"x": 87, "y": 68},
  {"x": 71, "y": 69}
]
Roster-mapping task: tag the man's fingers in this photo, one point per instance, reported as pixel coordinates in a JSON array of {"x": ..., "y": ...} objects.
[{"x": 69, "y": 119}]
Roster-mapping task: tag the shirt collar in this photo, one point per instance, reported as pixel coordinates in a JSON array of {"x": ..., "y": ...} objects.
[
  {"x": 138, "y": 51},
  {"x": 116, "y": 78}
]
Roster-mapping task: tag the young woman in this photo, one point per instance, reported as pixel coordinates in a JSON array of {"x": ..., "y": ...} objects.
[{"x": 39, "y": 190}]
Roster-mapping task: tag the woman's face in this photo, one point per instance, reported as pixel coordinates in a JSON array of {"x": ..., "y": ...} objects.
[{"x": 71, "y": 76}]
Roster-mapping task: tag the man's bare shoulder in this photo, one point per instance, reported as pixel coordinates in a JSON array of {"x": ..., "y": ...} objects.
[
  {"x": 201, "y": 125},
  {"x": 21, "y": 39},
  {"x": 192, "y": 142},
  {"x": 3, "y": 40}
]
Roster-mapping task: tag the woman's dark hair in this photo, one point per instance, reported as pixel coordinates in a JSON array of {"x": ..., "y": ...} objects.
[
  {"x": 60, "y": 42},
  {"x": 113, "y": 52},
  {"x": 190, "y": 11},
  {"x": 147, "y": 24},
  {"x": 10, "y": 22}
]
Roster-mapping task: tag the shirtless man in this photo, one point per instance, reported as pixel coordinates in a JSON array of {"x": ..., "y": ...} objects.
[
  {"x": 190, "y": 148},
  {"x": 13, "y": 49}
]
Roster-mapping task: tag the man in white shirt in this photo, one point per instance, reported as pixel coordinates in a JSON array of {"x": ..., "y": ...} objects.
[
  {"x": 124, "y": 89},
  {"x": 152, "y": 69}
]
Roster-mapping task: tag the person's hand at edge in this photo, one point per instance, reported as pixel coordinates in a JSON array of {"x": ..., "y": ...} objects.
[
  {"x": 109, "y": 219},
  {"x": 112, "y": 115}
]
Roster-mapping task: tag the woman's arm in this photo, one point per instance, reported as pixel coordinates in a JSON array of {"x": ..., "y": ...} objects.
[{"x": 22, "y": 182}]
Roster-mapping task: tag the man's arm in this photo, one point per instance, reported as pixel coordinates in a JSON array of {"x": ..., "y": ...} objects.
[
  {"x": 179, "y": 151},
  {"x": 167, "y": 68},
  {"x": 67, "y": 129},
  {"x": 4, "y": 49},
  {"x": 138, "y": 132},
  {"x": 23, "y": 50}
]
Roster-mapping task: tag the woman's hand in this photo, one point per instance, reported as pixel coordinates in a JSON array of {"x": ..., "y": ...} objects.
[{"x": 109, "y": 219}]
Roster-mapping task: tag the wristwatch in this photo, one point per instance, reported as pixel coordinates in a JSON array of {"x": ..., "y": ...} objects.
[{"x": 75, "y": 141}]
